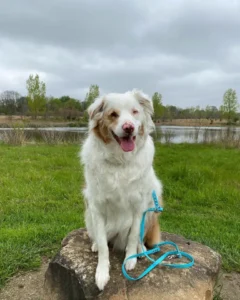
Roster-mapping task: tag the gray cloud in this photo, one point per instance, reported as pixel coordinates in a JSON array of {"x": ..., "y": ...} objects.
[{"x": 187, "y": 50}]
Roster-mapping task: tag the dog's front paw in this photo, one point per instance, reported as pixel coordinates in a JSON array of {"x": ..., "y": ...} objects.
[
  {"x": 141, "y": 249},
  {"x": 102, "y": 276},
  {"x": 130, "y": 264}
]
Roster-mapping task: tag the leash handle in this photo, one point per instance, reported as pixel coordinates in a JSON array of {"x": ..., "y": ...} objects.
[{"x": 159, "y": 260}]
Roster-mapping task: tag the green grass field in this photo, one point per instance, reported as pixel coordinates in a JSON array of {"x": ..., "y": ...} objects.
[{"x": 40, "y": 200}]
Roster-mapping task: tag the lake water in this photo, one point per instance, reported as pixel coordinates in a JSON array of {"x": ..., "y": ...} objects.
[
  {"x": 165, "y": 134},
  {"x": 187, "y": 134}
]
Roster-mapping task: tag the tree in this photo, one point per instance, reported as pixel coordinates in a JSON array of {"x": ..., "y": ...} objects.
[
  {"x": 53, "y": 104},
  {"x": 157, "y": 106},
  {"x": 64, "y": 99},
  {"x": 230, "y": 105},
  {"x": 91, "y": 95},
  {"x": 208, "y": 111},
  {"x": 22, "y": 106},
  {"x": 8, "y": 102},
  {"x": 166, "y": 113},
  {"x": 36, "y": 95},
  {"x": 174, "y": 111},
  {"x": 211, "y": 112},
  {"x": 199, "y": 113}
]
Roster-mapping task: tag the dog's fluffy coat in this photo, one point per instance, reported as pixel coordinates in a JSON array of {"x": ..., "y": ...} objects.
[{"x": 117, "y": 157}]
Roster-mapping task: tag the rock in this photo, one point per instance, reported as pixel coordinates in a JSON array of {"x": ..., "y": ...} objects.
[{"x": 71, "y": 273}]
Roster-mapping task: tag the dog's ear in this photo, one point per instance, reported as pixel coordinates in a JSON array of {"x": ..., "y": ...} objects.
[
  {"x": 96, "y": 108},
  {"x": 146, "y": 102}
]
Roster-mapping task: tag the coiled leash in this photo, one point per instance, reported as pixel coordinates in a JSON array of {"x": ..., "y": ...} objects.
[{"x": 156, "y": 248}]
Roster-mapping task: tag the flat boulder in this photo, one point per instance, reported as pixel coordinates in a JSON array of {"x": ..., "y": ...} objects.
[{"x": 71, "y": 273}]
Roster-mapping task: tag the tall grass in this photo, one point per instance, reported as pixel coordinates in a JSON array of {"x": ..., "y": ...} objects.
[
  {"x": 229, "y": 137},
  {"x": 14, "y": 136},
  {"x": 59, "y": 137},
  {"x": 168, "y": 136},
  {"x": 165, "y": 136},
  {"x": 19, "y": 136}
]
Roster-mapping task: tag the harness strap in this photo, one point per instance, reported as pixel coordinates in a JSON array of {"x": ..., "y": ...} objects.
[{"x": 156, "y": 248}]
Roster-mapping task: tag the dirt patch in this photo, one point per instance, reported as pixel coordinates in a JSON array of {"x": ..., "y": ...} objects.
[
  {"x": 26, "y": 286},
  {"x": 228, "y": 286},
  {"x": 30, "y": 286}
]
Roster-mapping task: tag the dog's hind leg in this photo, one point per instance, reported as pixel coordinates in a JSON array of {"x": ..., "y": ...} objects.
[{"x": 153, "y": 233}]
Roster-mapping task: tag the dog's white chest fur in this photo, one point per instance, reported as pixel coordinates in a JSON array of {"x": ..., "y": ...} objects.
[{"x": 120, "y": 191}]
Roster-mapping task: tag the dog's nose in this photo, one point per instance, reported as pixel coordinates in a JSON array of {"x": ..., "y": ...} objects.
[{"x": 128, "y": 127}]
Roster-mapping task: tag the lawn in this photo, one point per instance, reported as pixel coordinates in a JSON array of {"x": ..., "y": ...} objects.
[{"x": 40, "y": 200}]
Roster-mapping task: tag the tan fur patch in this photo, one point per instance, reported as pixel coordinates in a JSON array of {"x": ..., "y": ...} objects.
[
  {"x": 105, "y": 125},
  {"x": 153, "y": 234},
  {"x": 102, "y": 132}
]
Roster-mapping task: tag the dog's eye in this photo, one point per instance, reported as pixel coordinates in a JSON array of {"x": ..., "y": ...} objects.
[
  {"x": 135, "y": 112},
  {"x": 114, "y": 114}
]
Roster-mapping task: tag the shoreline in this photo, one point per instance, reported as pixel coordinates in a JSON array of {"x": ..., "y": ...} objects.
[{"x": 19, "y": 121}]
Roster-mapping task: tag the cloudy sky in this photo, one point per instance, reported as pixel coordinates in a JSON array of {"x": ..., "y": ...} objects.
[{"x": 188, "y": 50}]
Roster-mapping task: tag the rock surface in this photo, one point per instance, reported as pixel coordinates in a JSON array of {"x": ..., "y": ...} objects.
[{"x": 71, "y": 273}]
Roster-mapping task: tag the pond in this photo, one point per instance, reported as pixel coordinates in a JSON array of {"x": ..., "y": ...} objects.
[
  {"x": 188, "y": 134},
  {"x": 164, "y": 134}
]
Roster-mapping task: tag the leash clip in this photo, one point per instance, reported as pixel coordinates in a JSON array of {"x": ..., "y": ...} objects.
[{"x": 155, "y": 200}]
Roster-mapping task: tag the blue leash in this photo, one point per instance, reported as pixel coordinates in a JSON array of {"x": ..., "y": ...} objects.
[{"x": 156, "y": 249}]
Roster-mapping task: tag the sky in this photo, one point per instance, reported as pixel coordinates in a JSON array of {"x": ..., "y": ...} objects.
[{"x": 187, "y": 50}]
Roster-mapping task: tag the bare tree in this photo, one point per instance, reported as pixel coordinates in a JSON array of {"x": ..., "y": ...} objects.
[{"x": 8, "y": 102}]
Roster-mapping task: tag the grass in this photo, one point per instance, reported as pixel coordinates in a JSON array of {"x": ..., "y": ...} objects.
[
  {"x": 39, "y": 203},
  {"x": 40, "y": 200},
  {"x": 202, "y": 196}
]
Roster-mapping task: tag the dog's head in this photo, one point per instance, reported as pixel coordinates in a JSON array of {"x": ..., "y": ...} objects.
[{"x": 122, "y": 118}]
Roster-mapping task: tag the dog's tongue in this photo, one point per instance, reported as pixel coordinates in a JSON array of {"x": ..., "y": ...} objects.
[{"x": 127, "y": 144}]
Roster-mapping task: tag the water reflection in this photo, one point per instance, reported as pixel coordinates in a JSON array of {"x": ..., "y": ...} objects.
[{"x": 185, "y": 134}]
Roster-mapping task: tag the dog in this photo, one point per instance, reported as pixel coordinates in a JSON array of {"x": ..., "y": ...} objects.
[{"x": 117, "y": 157}]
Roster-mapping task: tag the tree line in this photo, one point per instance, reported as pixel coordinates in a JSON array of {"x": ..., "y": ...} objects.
[
  {"x": 228, "y": 110},
  {"x": 36, "y": 104}
]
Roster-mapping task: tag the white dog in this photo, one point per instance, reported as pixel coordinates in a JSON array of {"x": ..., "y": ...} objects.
[{"x": 117, "y": 157}]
